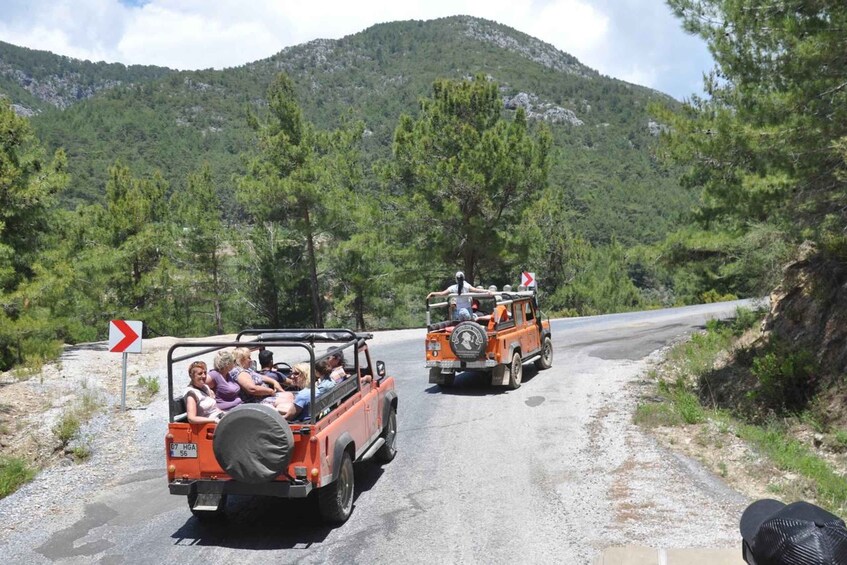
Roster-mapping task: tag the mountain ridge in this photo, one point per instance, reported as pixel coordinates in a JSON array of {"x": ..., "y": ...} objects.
[{"x": 153, "y": 118}]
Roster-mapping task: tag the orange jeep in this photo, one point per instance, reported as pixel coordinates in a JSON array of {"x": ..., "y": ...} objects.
[
  {"x": 500, "y": 345},
  {"x": 253, "y": 450}
]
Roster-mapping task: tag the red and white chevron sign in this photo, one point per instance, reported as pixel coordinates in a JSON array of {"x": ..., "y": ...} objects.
[
  {"x": 125, "y": 336},
  {"x": 528, "y": 279}
]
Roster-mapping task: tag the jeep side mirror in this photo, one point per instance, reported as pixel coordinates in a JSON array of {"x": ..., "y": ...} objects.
[{"x": 380, "y": 369}]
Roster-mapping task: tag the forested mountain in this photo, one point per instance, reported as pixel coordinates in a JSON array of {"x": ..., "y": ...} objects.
[
  {"x": 38, "y": 80},
  {"x": 151, "y": 118}
]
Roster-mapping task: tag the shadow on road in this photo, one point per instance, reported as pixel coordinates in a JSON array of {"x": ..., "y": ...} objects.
[
  {"x": 269, "y": 523},
  {"x": 478, "y": 383}
]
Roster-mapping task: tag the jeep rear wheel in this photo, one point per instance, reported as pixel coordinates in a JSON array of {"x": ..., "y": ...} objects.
[
  {"x": 546, "y": 359},
  {"x": 389, "y": 449},
  {"x": 516, "y": 371},
  {"x": 335, "y": 500},
  {"x": 446, "y": 379}
]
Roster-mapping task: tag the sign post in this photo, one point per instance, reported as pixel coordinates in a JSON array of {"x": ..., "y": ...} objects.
[{"x": 125, "y": 337}]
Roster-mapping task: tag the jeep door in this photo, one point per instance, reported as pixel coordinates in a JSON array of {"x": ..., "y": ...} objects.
[
  {"x": 370, "y": 395},
  {"x": 533, "y": 336}
]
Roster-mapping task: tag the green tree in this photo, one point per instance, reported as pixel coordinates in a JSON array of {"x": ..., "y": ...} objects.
[
  {"x": 29, "y": 184},
  {"x": 466, "y": 172},
  {"x": 764, "y": 146},
  {"x": 280, "y": 186},
  {"x": 201, "y": 229},
  {"x": 600, "y": 283},
  {"x": 134, "y": 222},
  {"x": 297, "y": 179}
]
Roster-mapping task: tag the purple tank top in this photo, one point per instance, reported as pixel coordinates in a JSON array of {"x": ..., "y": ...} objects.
[{"x": 226, "y": 390}]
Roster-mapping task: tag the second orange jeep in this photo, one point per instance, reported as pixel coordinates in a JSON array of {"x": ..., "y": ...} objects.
[{"x": 500, "y": 347}]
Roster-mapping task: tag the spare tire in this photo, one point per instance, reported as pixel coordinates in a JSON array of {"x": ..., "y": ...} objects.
[
  {"x": 253, "y": 443},
  {"x": 468, "y": 341}
]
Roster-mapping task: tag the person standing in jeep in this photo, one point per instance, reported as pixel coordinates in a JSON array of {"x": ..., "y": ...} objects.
[{"x": 463, "y": 301}]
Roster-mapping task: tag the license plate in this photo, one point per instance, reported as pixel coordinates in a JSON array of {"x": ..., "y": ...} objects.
[{"x": 184, "y": 450}]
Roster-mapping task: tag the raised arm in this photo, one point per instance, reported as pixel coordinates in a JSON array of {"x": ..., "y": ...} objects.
[{"x": 444, "y": 292}]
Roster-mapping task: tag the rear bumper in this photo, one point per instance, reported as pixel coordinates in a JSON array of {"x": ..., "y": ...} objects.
[
  {"x": 487, "y": 364},
  {"x": 279, "y": 489}
]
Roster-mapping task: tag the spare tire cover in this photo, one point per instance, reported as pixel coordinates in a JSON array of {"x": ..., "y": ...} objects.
[
  {"x": 253, "y": 443},
  {"x": 468, "y": 341}
]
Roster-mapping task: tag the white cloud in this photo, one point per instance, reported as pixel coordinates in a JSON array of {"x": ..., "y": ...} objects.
[{"x": 572, "y": 26}]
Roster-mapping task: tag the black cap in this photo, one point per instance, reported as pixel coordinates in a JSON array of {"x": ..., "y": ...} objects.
[{"x": 799, "y": 533}]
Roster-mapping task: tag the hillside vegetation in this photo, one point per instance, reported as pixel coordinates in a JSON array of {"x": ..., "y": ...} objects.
[
  {"x": 603, "y": 167},
  {"x": 768, "y": 152}
]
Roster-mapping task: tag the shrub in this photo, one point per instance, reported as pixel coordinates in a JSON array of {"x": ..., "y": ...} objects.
[
  {"x": 14, "y": 472},
  {"x": 688, "y": 406},
  {"x": 652, "y": 415},
  {"x": 149, "y": 386},
  {"x": 744, "y": 320},
  {"x": 787, "y": 380},
  {"x": 81, "y": 452},
  {"x": 712, "y": 295},
  {"x": 67, "y": 427}
]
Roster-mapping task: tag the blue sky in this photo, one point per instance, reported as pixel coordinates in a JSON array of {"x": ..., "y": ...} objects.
[{"x": 638, "y": 41}]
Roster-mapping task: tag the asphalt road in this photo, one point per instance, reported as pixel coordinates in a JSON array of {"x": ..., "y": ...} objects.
[{"x": 550, "y": 473}]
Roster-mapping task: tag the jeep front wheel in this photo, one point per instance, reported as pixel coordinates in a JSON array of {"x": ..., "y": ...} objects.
[
  {"x": 335, "y": 500},
  {"x": 516, "y": 371},
  {"x": 546, "y": 359}
]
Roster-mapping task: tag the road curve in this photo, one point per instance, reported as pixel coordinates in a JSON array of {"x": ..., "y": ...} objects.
[{"x": 550, "y": 473}]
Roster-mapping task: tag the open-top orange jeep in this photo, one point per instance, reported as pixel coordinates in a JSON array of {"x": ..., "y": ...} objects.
[
  {"x": 515, "y": 336},
  {"x": 253, "y": 450}
]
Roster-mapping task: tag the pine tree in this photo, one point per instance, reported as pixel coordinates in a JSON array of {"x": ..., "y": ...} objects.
[{"x": 466, "y": 172}]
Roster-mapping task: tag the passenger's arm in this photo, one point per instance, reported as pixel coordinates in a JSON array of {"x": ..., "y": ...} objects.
[
  {"x": 444, "y": 292},
  {"x": 245, "y": 381},
  {"x": 293, "y": 412},
  {"x": 273, "y": 383}
]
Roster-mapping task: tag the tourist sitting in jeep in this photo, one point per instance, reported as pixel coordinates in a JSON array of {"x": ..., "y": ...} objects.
[
  {"x": 256, "y": 387},
  {"x": 226, "y": 388},
  {"x": 200, "y": 405},
  {"x": 299, "y": 409}
]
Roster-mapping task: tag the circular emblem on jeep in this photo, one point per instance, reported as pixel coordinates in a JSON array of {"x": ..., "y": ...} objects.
[{"x": 468, "y": 341}]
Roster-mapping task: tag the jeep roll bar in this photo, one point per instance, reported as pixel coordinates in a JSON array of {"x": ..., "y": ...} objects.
[
  {"x": 447, "y": 298},
  {"x": 295, "y": 338}
]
